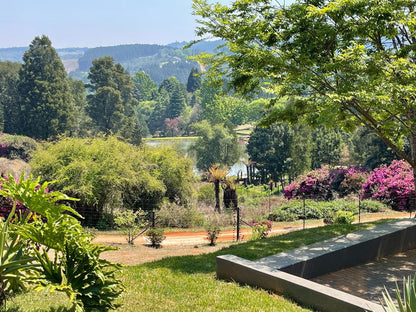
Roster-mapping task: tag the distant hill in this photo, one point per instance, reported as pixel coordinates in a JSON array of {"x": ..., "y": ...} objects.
[
  {"x": 16, "y": 54},
  {"x": 158, "y": 61}
]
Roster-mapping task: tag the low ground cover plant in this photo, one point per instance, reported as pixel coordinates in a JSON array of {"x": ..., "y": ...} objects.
[{"x": 155, "y": 237}]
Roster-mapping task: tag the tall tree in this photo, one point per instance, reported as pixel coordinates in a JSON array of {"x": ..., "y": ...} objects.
[
  {"x": 9, "y": 97},
  {"x": 46, "y": 103},
  {"x": 327, "y": 147},
  {"x": 217, "y": 144},
  {"x": 143, "y": 87},
  {"x": 194, "y": 81},
  {"x": 111, "y": 104},
  {"x": 82, "y": 122},
  {"x": 343, "y": 63}
]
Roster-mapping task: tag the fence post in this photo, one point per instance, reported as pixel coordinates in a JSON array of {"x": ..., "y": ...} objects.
[{"x": 238, "y": 223}]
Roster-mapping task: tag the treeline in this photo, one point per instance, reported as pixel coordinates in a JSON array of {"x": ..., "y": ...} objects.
[{"x": 281, "y": 152}]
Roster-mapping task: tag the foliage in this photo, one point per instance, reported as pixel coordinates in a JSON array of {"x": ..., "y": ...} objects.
[
  {"x": 206, "y": 194},
  {"x": 17, "y": 147},
  {"x": 392, "y": 185},
  {"x": 155, "y": 236},
  {"x": 111, "y": 105},
  {"x": 369, "y": 150},
  {"x": 408, "y": 303},
  {"x": 213, "y": 228},
  {"x": 327, "y": 147},
  {"x": 321, "y": 184},
  {"x": 261, "y": 229},
  {"x": 343, "y": 217},
  {"x": 354, "y": 66},
  {"x": 15, "y": 263},
  {"x": 106, "y": 174},
  {"x": 194, "y": 80},
  {"x": 216, "y": 144},
  {"x": 9, "y": 108},
  {"x": 173, "y": 215},
  {"x": 77, "y": 269},
  {"x": 46, "y": 105},
  {"x": 130, "y": 223},
  {"x": 294, "y": 210},
  {"x": 216, "y": 176}
]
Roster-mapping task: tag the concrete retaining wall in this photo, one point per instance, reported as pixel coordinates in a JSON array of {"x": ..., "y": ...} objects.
[
  {"x": 321, "y": 297},
  {"x": 285, "y": 272}
]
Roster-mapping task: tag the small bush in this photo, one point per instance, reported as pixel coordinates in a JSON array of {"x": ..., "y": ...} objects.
[
  {"x": 156, "y": 237},
  {"x": 261, "y": 230},
  {"x": 172, "y": 215},
  {"x": 212, "y": 226},
  {"x": 106, "y": 222},
  {"x": 344, "y": 217},
  {"x": 130, "y": 223},
  {"x": 17, "y": 147},
  {"x": 372, "y": 206},
  {"x": 206, "y": 194}
]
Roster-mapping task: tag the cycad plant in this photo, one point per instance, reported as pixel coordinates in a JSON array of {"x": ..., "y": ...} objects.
[
  {"x": 408, "y": 303},
  {"x": 216, "y": 175}
]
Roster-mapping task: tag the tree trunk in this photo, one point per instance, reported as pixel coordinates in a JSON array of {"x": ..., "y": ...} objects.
[{"x": 217, "y": 196}]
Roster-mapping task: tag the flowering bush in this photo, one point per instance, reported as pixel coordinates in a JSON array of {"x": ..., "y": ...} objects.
[
  {"x": 261, "y": 229},
  {"x": 392, "y": 185},
  {"x": 321, "y": 184},
  {"x": 315, "y": 184}
]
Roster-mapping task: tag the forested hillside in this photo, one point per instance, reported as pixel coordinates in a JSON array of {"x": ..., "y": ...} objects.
[{"x": 158, "y": 61}]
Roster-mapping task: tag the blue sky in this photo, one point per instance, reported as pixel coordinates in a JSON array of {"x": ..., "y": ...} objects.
[{"x": 93, "y": 23}]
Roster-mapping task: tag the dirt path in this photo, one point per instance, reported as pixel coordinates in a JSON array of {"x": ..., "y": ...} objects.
[{"x": 188, "y": 243}]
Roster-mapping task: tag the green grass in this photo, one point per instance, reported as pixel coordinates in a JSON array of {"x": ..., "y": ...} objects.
[{"x": 188, "y": 283}]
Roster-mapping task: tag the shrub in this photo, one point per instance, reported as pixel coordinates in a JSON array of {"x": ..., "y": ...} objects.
[
  {"x": 206, "y": 194},
  {"x": 392, "y": 185},
  {"x": 212, "y": 226},
  {"x": 173, "y": 215},
  {"x": 260, "y": 230},
  {"x": 156, "y": 237},
  {"x": 324, "y": 183},
  {"x": 130, "y": 223},
  {"x": 370, "y": 205},
  {"x": 17, "y": 147},
  {"x": 343, "y": 217},
  {"x": 77, "y": 268}
]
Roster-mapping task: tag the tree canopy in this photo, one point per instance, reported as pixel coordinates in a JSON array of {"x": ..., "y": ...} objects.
[
  {"x": 45, "y": 101},
  {"x": 344, "y": 63}
]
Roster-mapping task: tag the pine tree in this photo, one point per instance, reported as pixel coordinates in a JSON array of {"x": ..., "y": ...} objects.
[
  {"x": 111, "y": 103},
  {"x": 46, "y": 103},
  {"x": 194, "y": 81}
]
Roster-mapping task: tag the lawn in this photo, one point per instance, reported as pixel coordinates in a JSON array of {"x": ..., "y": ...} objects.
[{"x": 188, "y": 283}]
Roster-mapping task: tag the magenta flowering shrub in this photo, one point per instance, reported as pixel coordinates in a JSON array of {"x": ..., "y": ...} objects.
[
  {"x": 261, "y": 230},
  {"x": 315, "y": 184},
  {"x": 392, "y": 185},
  {"x": 321, "y": 184}
]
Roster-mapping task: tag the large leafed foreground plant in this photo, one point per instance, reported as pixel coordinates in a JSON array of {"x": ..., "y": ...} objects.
[{"x": 67, "y": 259}]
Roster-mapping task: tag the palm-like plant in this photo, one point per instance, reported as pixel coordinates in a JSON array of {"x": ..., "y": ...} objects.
[{"x": 216, "y": 175}]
